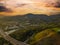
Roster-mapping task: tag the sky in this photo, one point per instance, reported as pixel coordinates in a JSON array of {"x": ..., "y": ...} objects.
[{"x": 21, "y": 7}]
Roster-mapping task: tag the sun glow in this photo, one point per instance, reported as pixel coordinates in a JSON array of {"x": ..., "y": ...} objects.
[{"x": 30, "y": 6}]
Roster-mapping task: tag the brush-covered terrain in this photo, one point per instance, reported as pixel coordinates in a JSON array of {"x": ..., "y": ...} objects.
[{"x": 33, "y": 29}]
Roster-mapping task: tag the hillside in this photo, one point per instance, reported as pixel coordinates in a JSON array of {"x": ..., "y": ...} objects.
[{"x": 33, "y": 29}]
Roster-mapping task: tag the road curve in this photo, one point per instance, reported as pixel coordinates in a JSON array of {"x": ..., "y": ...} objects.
[{"x": 10, "y": 39}]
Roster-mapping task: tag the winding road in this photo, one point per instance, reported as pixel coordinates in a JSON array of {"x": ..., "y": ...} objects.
[{"x": 10, "y": 39}]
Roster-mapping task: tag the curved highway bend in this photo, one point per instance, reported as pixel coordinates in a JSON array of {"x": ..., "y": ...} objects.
[
  {"x": 10, "y": 39},
  {"x": 16, "y": 42}
]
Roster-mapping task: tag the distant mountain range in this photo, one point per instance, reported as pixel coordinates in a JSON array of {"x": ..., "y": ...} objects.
[{"x": 34, "y": 17}]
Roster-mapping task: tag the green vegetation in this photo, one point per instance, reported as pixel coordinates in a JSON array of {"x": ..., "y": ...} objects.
[
  {"x": 32, "y": 29},
  {"x": 4, "y": 42}
]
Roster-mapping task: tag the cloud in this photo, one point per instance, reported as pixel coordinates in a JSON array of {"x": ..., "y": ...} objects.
[
  {"x": 58, "y": 4},
  {"x": 4, "y": 9},
  {"x": 30, "y": 6}
]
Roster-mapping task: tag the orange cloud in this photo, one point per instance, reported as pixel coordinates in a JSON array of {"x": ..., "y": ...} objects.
[{"x": 31, "y": 6}]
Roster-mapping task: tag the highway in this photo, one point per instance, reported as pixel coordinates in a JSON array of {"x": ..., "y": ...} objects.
[{"x": 10, "y": 39}]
